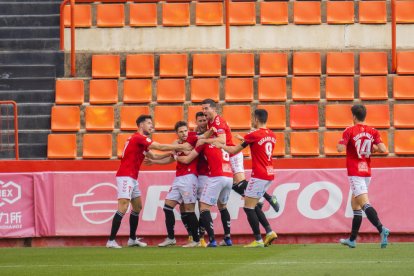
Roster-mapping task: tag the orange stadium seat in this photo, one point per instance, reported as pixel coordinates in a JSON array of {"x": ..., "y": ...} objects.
[
  {"x": 192, "y": 111},
  {"x": 65, "y": 118},
  {"x": 69, "y": 91},
  {"x": 143, "y": 15},
  {"x": 373, "y": 63},
  {"x": 340, "y": 12},
  {"x": 304, "y": 143},
  {"x": 378, "y": 115},
  {"x": 242, "y": 13},
  {"x": 237, "y": 116},
  {"x": 279, "y": 149},
  {"x": 276, "y": 116},
  {"x": 338, "y": 116},
  {"x": 304, "y": 116},
  {"x": 106, "y": 66},
  {"x": 103, "y": 91},
  {"x": 306, "y": 88},
  {"x": 99, "y": 118},
  {"x": 120, "y": 143},
  {"x": 246, "y": 151},
  {"x": 140, "y": 66},
  {"x": 165, "y": 116},
  {"x": 404, "y": 142},
  {"x": 206, "y": 65},
  {"x": 61, "y": 146},
  {"x": 330, "y": 140},
  {"x": 205, "y": 88},
  {"x": 209, "y": 14},
  {"x": 372, "y": 12},
  {"x": 405, "y": 63},
  {"x": 238, "y": 89},
  {"x": 129, "y": 115},
  {"x": 339, "y": 88},
  {"x": 272, "y": 89},
  {"x": 173, "y": 65},
  {"x": 373, "y": 88},
  {"x": 240, "y": 64},
  {"x": 110, "y": 15},
  {"x": 404, "y": 11},
  {"x": 307, "y": 12},
  {"x": 83, "y": 16},
  {"x": 175, "y": 14},
  {"x": 273, "y": 64},
  {"x": 137, "y": 91},
  {"x": 340, "y": 63},
  {"x": 306, "y": 63},
  {"x": 403, "y": 87},
  {"x": 170, "y": 90},
  {"x": 403, "y": 115},
  {"x": 97, "y": 146},
  {"x": 163, "y": 138},
  {"x": 274, "y": 13}
]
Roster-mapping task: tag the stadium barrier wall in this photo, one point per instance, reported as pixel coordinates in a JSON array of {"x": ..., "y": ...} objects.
[{"x": 79, "y": 204}]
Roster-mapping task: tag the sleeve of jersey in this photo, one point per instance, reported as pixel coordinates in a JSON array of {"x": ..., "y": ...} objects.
[
  {"x": 248, "y": 139},
  {"x": 377, "y": 138},
  {"x": 192, "y": 140},
  {"x": 145, "y": 141},
  {"x": 345, "y": 138},
  {"x": 219, "y": 128},
  {"x": 200, "y": 148}
]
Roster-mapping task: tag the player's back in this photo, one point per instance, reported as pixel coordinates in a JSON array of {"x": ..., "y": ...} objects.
[
  {"x": 358, "y": 140},
  {"x": 134, "y": 152},
  {"x": 218, "y": 161}
]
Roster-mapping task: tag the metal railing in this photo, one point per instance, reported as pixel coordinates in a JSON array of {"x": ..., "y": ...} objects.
[
  {"x": 393, "y": 37},
  {"x": 72, "y": 33},
  {"x": 16, "y": 128}
]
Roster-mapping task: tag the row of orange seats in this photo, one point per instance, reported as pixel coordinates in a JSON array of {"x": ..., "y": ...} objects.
[
  {"x": 102, "y": 118},
  {"x": 106, "y": 91},
  {"x": 64, "y": 146},
  {"x": 241, "y": 13},
  {"x": 243, "y": 64}
]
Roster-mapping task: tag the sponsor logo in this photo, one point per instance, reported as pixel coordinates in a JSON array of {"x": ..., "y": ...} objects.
[
  {"x": 97, "y": 205},
  {"x": 10, "y": 192}
]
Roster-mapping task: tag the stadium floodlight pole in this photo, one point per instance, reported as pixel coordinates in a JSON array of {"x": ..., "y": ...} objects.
[{"x": 393, "y": 37}]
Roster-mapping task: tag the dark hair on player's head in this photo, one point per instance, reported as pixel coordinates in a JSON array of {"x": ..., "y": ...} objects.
[
  {"x": 211, "y": 102},
  {"x": 200, "y": 114},
  {"x": 261, "y": 115},
  {"x": 179, "y": 124},
  {"x": 359, "y": 111},
  {"x": 142, "y": 118}
]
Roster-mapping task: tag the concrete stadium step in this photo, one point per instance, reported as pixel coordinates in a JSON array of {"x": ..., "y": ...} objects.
[
  {"x": 28, "y": 96},
  {"x": 32, "y": 151},
  {"x": 27, "y": 83},
  {"x": 29, "y": 20},
  {"x": 19, "y": 71},
  {"x": 31, "y": 7},
  {"x": 27, "y": 122},
  {"x": 48, "y": 57},
  {"x": 29, "y": 32},
  {"x": 34, "y": 109},
  {"x": 30, "y": 44},
  {"x": 33, "y": 136}
]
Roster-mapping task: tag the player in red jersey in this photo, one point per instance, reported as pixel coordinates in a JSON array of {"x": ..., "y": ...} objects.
[
  {"x": 136, "y": 148},
  {"x": 217, "y": 189},
  {"x": 360, "y": 141},
  {"x": 261, "y": 142}
]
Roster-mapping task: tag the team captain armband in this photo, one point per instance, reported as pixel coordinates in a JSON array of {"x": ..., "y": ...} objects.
[{"x": 244, "y": 144}]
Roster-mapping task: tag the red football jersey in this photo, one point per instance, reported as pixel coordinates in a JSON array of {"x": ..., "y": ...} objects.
[
  {"x": 134, "y": 153},
  {"x": 358, "y": 140},
  {"x": 262, "y": 142},
  {"x": 202, "y": 166},
  {"x": 222, "y": 128},
  {"x": 218, "y": 160},
  {"x": 184, "y": 169}
]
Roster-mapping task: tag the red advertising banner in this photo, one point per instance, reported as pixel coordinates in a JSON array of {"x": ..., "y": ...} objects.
[{"x": 16, "y": 205}]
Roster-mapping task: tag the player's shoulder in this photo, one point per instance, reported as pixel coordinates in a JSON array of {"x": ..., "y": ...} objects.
[{"x": 138, "y": 137}]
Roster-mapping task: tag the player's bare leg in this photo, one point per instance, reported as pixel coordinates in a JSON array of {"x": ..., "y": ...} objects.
[
  {"x": 136, "y": 205},
  {"x": 193, "y": 225},
  {"x": 123, "y": 204},
  {"x": 169, "y": 223},
  {"x": 207, "y": 223},
  {"x": 226, "y": 221}
]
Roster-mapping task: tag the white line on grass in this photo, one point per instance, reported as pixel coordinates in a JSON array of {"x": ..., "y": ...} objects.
[{"x": 208, "y": 263}]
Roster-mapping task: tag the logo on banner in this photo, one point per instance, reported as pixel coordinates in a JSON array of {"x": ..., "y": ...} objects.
[
  {"x": 97, "y": 205},
  {"x": 10, "y": 192}
]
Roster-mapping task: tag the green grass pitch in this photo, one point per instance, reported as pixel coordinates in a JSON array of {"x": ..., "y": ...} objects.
[{"x": 314, "y": 259}]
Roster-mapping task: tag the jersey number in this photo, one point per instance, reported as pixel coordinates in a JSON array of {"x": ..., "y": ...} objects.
[
  {"x": 126, "y": 145},
  {"x": 269, "y": 150},
  {"x": 364, "y": 149},
  {"x": 226, "y": 156}
]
